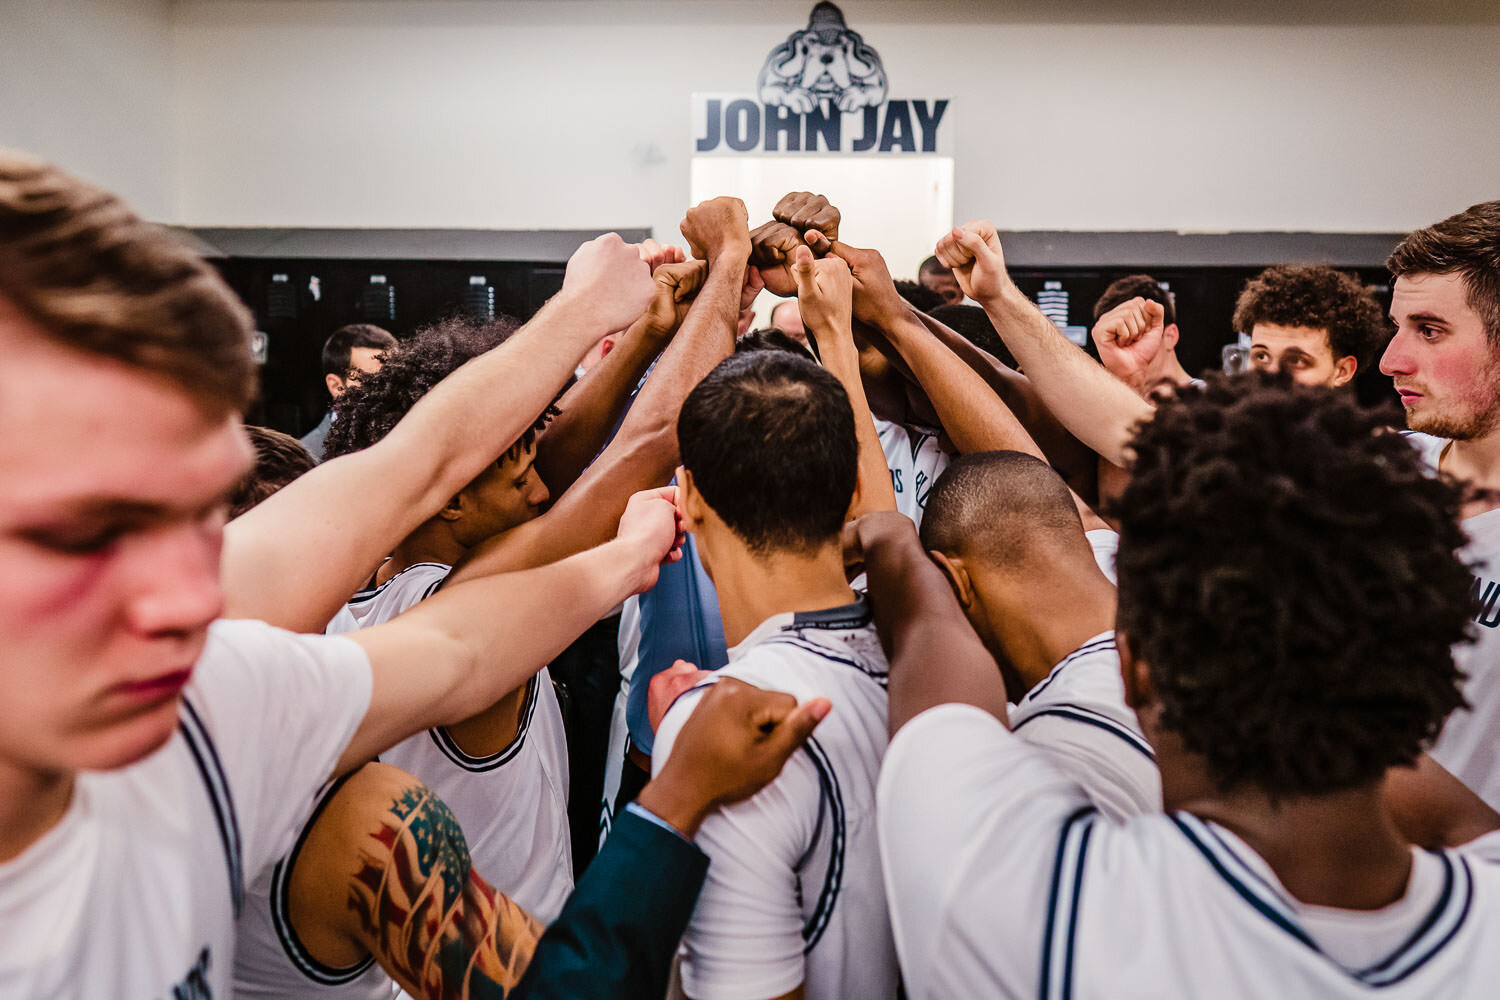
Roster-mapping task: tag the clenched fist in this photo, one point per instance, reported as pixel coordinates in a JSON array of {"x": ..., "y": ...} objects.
[
  {"x": 718, "y": 228},
  {"x": 973, "y": 252},
  {"x": 608, "y": 276},
  {"x": 676, "y": 286}
]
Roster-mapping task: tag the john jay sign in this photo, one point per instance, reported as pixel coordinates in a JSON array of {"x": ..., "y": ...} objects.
[{"x": 823, "y": 90}]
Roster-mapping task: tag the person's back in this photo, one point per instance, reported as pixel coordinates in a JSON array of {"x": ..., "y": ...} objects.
[{"x": 793, "y": 897}]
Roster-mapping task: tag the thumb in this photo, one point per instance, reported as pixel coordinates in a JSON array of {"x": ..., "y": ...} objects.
[
  {"x": 818, "y": 241},
  {"x": 973, "y": 242},
  {"x": 802, "y": 270},
  {"x": 1155, "y": 312},
  {"x": 798, "y": 726}
]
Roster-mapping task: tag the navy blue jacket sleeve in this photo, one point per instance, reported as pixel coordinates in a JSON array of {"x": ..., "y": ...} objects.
[{"x": 617, "y": 934}]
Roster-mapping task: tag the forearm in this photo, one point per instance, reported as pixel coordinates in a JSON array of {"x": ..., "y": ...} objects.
[
  {"x": 1097, "y": 408},
  {"x": 973, "y": 416},
  {"x": 935, "y": 656},
  {"x": 592, "y": 407},
  {"x": 875, "y": 489}
]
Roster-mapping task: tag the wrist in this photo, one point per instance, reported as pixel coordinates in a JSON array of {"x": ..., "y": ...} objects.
[
  {"x": 675, "y": 805},
  {"x": 729, "y": 254},
  {"x": 581, "y": 322}
]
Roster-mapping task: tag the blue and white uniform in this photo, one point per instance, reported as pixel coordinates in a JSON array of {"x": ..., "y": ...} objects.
[
  {"x": 794, "y": 892},
  {"x": 1004, "y": 881},
  {"x": 1469, "y": 745},
  {"x": 135, "y": 891},
  {"x": 915, "y": 459}
]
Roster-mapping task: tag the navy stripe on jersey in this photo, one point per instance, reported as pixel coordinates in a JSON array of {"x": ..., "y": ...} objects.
[
  {"x": 206, "y": 757},
  {"x": 1079, "y": 713},
  {"x": 1092, "y": 646},
  {"x": 1258, "y": 894},
  {"x": 1060, "y": 935},
  {"x": 286, "y": 934},
  {"x": 506, "y": 754},
  {"x": 828, "y": 782},
  {"x": 370, "y": 593},
  {"x": 854, "y": 615},
  {"x": 881, "y": 677}
]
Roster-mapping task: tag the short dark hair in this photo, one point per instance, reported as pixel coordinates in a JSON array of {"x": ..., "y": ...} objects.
[
  {"x": 1001, "y": 506},
  {"x": 338, "y": 349},
  {"x": 918, "y": 295},
  {"x": 973, "y": 324},
  {"x": 279, "y": 459},
  {"x": 1317, "y": 297},
  {"x": 769, "y": 439},
  {"x": 95, "y": 277},
  {"x": 1136, "y": 286},
  {"x": 1466, "y": 244},
  {"x": 375, "y": 403},
  {"x": 771, "y": 339},
  {"x": 933, "y": 266},
  {"x": 1288, "y": 573}
]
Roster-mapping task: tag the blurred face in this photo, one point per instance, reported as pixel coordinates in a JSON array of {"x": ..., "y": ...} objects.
[
  {"x": 506, "y": 494},
  {"x": 362, "y": 361},
  {"x": 112, "y": 504},
  {"x": 787, "y": 318},
  {"x": 1302, "y": 351},
  {"x": 1442, "y": 364},
  {"x": 945, "y": 284}
]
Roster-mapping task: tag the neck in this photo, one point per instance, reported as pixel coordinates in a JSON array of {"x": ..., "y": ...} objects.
[
  {"x": 1038, "y": 615},
  {"x": 31, "y": 803},
  {"x": 753, "y": 588},
  {"x": 1475, "y": 462},
  {"x": 433, "y": 541},
  {"x": 1340, "y": 849}
]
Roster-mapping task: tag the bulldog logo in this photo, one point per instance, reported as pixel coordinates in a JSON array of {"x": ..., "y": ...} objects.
[{"x": 825, "y": 60}]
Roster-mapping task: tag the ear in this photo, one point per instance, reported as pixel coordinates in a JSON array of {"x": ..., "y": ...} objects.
[
  {"x": 605, "y": 346},
  {"x": 335, "y": 385},
  {"x": 690, "y": 503},
  {"x": 453, "y": 509},
  {"x": 1344, "y": 369},
  {"x": 1169, "y": 336},
  {"x": 1140, "y": 690},
  {"x": 958, "y": 575}
]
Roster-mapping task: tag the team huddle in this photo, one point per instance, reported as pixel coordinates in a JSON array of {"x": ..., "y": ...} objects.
[{"x": 952, "y": 662}]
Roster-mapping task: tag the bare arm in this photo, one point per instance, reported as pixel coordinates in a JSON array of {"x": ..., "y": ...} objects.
[
  {"x": 644, "y": 452},
  {"x": 1434, "y": 809},
  {"x": 385, "y": 871},
  {"x": 294, "y": 559},
  {"x": 1099, "y": 409},
  {"x": 825, "y": 290},
  {"x": 591, "y": 408},
  {"x": 467, "y": 646},
  {"x": 935, "y": 656}
]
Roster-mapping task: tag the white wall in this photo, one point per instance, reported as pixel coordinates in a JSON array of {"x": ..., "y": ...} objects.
[
  {"x": 88, "y": 83},
  {"x": 574, "y": 113}
]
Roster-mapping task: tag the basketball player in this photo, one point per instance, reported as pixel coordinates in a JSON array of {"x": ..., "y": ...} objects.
[
  {"x": 153, "y": 758},
  {"x": 793, "y": 904},
  {"x": 1279, "y": 666}
]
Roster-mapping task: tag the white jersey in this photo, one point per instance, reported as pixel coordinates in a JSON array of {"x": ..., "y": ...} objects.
[
  {"x": 915, "y": 460},
  {"x": 1079, "y": 717},
  {"x": 512, "y": 807},
  {"x": 1469, "y": 745},
  {"x": 1106, "y": 545},
  {"x": 134, "y": 892},
  {"x": 1004, "y": 882},
  {"x": 794, "y": 893}
]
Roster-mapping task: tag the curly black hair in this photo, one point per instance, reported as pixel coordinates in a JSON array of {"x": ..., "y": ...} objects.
[
  {"x": 1289, "y": 575},
  {"x": 1321, "y": 298},
  {"x": 375, "y": 403}
]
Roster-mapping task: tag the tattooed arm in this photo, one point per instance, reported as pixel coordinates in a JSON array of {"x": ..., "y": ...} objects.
[{"x": 384, "y": 871}]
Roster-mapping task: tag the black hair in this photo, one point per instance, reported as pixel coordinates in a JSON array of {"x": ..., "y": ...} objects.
[
  {"x": 771, "y": 339},
  {"x": 338, "y": 349},
  {"x": 918, "y": 295},
  {"x": 375, "y": 403},
  {"x": 972, "y": 323},
  {"x": 1134, "y": 286},
  {"x": 769, "y": 439},
  {"x": 1000, "y": 506},
  {"x": 1289, "y": 575},
  {"x": 1322, "y": 299},
  {"x": 933, "y": 266},
  {"x": 279, "y": 459}
]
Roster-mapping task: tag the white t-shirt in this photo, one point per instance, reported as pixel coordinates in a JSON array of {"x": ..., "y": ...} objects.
[
  {"x": 1004, "y": 882},
  {"x": 1469, "y": 745},
  {"x": 512, "y": 807},
  {"x": 134, "y": 892},
  {"x": 794, "y": 893},
  {"x": 1106, "y": 545},
  {"x": 1079, "y": 717},
  {"x": 915, "y": 460}
]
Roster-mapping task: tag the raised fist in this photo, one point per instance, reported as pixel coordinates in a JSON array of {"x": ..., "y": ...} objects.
[
  {"x": 804, "y": 211},
  {"x": 771, "y": 246},
  {"x": 973, "y": 253},
  {"x": 825, "y": 293},
  {"x": 1132, "y": 340},
  {"x": 609, "y": 278},
  {"x": 876, "y": 300},
  {"x": 676, "y": 287},
  {"x": 718, "y": 227}
]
